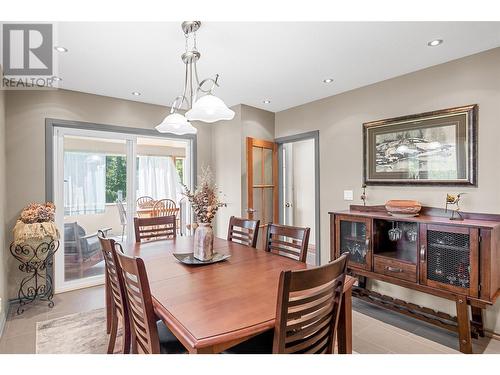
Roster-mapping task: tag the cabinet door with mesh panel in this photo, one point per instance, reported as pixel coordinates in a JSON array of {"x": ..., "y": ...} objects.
[{"x": 449, "y": 258}]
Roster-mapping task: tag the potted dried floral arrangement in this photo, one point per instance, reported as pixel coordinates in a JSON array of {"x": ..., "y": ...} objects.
[
  {"x": 36, "y": 225},
  {"x": 205, "y": 201}
]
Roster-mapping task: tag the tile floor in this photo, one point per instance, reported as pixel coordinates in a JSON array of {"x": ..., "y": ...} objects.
[{"x": 375, "y": 331}]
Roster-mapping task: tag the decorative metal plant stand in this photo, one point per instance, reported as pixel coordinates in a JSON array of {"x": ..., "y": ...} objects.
[{"x": 37, "y": 263}]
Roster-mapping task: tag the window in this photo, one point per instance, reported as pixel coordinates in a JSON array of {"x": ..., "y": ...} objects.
[
  {"x": 116, "y": 178},
  {"x": 179, "y": 165}
]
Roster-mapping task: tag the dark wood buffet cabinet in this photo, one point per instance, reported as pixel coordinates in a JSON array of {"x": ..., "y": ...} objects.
[{"x": 456, "y": 260}]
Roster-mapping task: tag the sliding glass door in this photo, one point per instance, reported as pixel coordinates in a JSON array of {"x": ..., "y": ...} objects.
[{"x": 98, "y": 176}]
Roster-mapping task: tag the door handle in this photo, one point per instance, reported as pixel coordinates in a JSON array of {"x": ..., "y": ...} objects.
[
  {"x": 251, "y": 210},
  {"x": 422, "y": 253},
  {"x": 393, "y": 269},
  {"x": 288, "y": 204}
]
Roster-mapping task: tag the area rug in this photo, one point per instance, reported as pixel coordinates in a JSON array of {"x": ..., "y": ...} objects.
[{"x": 81, "y": 333}]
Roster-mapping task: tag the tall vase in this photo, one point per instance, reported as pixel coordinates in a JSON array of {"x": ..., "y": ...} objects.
[{"x": 204, "y": 242}]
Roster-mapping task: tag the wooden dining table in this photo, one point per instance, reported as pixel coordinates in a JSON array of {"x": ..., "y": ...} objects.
[{"x": 213, "y": 307}]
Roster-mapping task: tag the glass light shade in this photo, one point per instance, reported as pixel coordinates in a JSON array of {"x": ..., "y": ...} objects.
[
  {"x": 209, "y": 108},
  {"x": 176, "y": 123}
]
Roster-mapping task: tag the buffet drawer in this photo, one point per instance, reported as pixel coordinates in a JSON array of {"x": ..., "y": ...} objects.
[{"x": 395, "y": 268}]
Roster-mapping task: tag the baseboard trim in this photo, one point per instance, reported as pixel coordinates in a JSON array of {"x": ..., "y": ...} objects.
[{"x": 492, "y": 335}]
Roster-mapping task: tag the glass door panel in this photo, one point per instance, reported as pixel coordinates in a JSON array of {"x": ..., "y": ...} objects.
[
  {"x": 257, "y": 165},
  {"x": 353, "y": 237},
  {"x": 263, "y": 204},
  {"x": 267, "y": 166},
  {"x": 95, "y": 190},
  {"x": 161, "y": 172},
  {"x": 97, "y": 178}
]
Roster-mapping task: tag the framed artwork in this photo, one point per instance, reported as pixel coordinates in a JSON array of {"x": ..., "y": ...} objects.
[{"x": 433, "y": 148}]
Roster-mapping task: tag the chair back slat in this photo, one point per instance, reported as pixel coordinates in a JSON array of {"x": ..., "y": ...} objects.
[
  {"x": 243, "y": 231},
  {"x": 288, "y": 241},
  {"x": 140, "y": 304},
  {"x": 165, "y": 207},
  {"x": 308, "y": 308},
  {"x": 148, "y": 228}
]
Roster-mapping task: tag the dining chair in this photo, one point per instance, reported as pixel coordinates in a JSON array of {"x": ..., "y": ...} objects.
[
  {"x": 288, "y": 241},
  {"x": 115, "y": 287},
  {"x": 149, "y": 228},
  {"x": 307, "y": 312},
  {"x": 145, "y": 202},
  {"x": 308, "y": 308},
  {"x": 164, "y": 207},
  {"x": 243, "y": 231},
  {"x": 123, "y": 216},
  {"x": 148, "y": 335}
]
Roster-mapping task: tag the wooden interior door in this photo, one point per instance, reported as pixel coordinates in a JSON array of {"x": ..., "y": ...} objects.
[{"x": 262, "y": 183}]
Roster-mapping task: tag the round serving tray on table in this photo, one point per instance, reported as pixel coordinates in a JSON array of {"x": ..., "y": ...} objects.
[{"x": 188, "y": 258}]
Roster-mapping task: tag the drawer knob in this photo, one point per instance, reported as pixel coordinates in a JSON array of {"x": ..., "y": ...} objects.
[{"x": 393, "y": 269}]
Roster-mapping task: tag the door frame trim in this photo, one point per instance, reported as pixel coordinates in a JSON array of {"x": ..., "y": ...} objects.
[{"x": 314, "y": 135}]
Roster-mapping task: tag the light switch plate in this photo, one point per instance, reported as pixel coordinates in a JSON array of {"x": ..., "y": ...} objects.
[{"x": 348, "y": 195}]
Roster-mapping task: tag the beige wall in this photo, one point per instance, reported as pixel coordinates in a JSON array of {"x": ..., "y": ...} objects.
[
  {"x": 4, "y": 254},
  {"x": 26, "y": 112},
  {"x": 474, "y": 79},
  {"x": 226, "y": 151}
]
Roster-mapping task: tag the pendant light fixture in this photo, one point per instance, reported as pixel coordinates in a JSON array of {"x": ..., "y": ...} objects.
[{"x": 201, "y": 103}]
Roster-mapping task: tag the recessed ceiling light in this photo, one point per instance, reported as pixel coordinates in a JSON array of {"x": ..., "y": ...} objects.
[
  {"x": 136, "y": 93},
  {"x": 60, "y": 49},
  {"x": 55, "y": 78},
  {"x": 266, "y": 101},
  {"x": 328, "y": 80},
  {"x": 435, "y": 42}
]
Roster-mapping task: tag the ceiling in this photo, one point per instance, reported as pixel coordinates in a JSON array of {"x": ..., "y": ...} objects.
[{"x": 284, "y": 62}]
